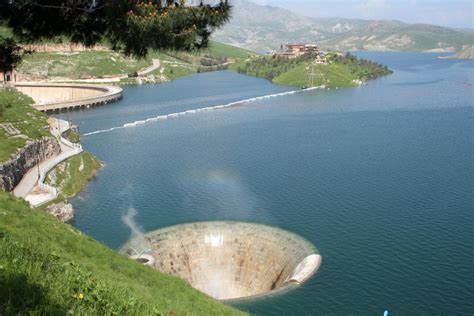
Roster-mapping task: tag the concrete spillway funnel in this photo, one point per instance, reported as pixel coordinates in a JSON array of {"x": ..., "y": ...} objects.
[{"x": 231, "y": 260}]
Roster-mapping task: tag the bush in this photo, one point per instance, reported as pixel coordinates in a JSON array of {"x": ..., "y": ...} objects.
[{"x": 133, "y": 74}]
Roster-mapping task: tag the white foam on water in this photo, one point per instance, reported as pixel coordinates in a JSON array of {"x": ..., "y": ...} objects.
[{"x": 209, "y": 108}]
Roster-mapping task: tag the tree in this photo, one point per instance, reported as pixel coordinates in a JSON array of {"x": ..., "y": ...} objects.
[
  {"x": 130, "y": 26},
  {"x": 11, "y": 55}
]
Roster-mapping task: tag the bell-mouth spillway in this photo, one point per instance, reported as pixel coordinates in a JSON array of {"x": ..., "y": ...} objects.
[{"x": 228, "y": 260}]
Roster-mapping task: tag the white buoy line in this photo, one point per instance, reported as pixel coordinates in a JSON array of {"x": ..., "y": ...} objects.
[{"x": 209, "y": 108}]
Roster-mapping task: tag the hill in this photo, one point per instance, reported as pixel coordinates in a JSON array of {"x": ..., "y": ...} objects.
[
  {"x": 466, "y": 53},
  {"x": 50, "y": 268},
  {"x": 26, "y": 123},
  {"x": 262, "y": 28},
  {"x": 52, "y": 61},
  {"x": 339, "y": 71}
]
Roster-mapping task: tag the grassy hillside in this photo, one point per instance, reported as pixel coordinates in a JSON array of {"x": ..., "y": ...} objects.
[
  {"x": 50, "y": 268},
  {"x": 15, "y": 108},
  {"x": 342, "y": 71},
  {"x": 80, "y": 64},
  {"x": 334, "y": 75},
  {"x": 72, "y": 175},
  {"x": 99, "y": 64},
  {"x": 224, "y": 50}
]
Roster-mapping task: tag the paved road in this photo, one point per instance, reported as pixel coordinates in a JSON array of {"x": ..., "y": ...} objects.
[
  {"x": 155, "y": 65},
  {"x": 30, "y": 179}
]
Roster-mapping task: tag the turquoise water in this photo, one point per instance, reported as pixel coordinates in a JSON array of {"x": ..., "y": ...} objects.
[{"x": 380, "y": 178}]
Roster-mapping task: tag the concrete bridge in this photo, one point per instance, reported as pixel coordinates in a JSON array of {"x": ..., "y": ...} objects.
[{"x": 50, "y": 97}]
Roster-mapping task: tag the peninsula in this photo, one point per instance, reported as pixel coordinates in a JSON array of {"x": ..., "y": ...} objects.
[
  {"x": 305, "y": 65},
  {"x": 466, "y": 53}
]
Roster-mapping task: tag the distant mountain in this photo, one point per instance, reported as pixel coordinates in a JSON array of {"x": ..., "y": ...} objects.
[
  {"x": 467, "y": 53},
  {"x": 262, "y": 28}
]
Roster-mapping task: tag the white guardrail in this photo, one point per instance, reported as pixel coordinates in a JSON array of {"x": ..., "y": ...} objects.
[{"x": 74, "y": 150}]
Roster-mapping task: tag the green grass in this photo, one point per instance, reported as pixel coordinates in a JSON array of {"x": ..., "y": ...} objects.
[
  {"x": 46, "y": 265},
  {"x": 265, "y": 66},
  {"x": 224, "y": 50},
  {"x": 333, "y": 75},
  {"x": 74, "y": 136},
  {"x": 97, "y": 64},
  {"x": 5, "y": 31},
  {"x": 15, "y": 108},
  {"x": 79, "y": 65},
  {"x": 72, "y": 175},
  {"x": 173, "y": 73},
  {"x": 342, "y": 71}
]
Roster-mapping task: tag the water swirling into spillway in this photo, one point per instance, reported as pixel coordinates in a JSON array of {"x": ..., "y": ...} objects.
[
  {"x": 230, "y": 260},
  {"x": 200, "y": 110}
]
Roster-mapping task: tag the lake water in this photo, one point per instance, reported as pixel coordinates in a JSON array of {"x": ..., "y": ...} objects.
[{"x": 380, "y": 178}]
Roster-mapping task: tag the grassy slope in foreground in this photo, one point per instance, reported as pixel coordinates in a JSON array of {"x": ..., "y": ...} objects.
[
  {"x": 48, "y": 267},
  {"x": 15, "y": 108}
]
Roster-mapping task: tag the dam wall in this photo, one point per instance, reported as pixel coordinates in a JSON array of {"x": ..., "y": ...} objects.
[{"x": 55, "y": 97}]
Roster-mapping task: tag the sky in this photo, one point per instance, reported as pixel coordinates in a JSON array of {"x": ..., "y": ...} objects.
[{"x": 453, "y": 13}]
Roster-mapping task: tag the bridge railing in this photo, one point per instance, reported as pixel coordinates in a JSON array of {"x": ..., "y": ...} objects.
[{"x": 70, "y": 144}]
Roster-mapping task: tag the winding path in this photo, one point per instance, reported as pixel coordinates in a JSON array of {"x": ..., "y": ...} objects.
[
  {"x": 155, "y": 64},
  {"x": 32, "y": 187}
]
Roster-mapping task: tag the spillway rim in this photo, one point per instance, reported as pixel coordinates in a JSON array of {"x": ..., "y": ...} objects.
[{"x": 309, "y": 247}]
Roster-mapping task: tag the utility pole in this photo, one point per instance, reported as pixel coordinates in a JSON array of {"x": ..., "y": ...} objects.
[
  {"x": 313, "y": 74},
  {"x": 38, "y": 165}
]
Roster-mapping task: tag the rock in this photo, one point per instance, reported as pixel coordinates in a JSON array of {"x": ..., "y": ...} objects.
[
  {"x": 13, "y": 170},
  {"x": 63, "y": 211}
]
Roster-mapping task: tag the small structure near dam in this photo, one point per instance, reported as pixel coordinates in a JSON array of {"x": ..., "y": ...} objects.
[
  {"x": 228, "y": 260},
  {"x": 50, "y": 97}
]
